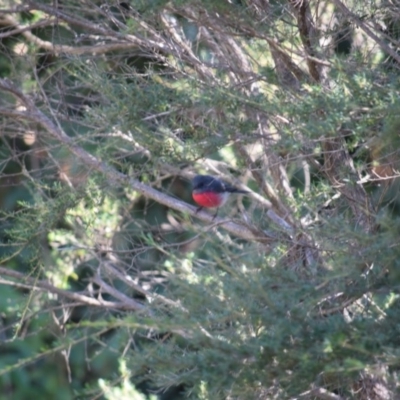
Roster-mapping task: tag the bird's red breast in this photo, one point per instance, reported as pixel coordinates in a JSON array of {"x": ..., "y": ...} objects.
[{"x": 209, "y": 199}]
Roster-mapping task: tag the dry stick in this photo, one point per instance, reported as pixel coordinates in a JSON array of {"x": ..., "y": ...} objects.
[
  {"x": 18, "y": 29},
  {"x": 74, "y": 19},
  {"x": 126, "y": 41},
  {"x": 95, "y": 49},
  {"x": 123, "y": 298},
  {"x": 82, "y": 299},
  {"x": 35, "y": 115},
  {"x": 129, "y": 281}
]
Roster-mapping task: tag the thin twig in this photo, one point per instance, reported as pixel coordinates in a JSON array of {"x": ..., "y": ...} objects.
[{"x": 46, "y": 286}]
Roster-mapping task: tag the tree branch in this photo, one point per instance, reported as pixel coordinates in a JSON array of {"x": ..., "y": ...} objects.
[{"x": 32, "y": 283}]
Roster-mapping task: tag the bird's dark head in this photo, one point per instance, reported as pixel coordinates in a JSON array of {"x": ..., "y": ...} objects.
[{"x": 207, "y": 183}]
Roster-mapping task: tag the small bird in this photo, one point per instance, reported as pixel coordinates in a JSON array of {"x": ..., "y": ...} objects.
[{"x": 211, "y": 192}]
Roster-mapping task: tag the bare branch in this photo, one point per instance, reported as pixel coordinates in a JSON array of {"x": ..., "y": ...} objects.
[
  {"x": 155, "y": 41},
  {"x": 10, "y": 21},
  {"x": 117, "y": 294},
  {"x": 45, "y": 286},
  {"x": 129, "y": 281}
]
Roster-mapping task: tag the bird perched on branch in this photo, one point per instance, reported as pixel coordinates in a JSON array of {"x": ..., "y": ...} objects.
[{"x": 211, "y": 192}]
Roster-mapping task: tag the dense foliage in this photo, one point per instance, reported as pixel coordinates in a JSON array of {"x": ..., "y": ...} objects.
[{"x": 113, "y": 285}]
